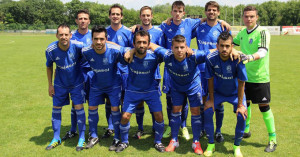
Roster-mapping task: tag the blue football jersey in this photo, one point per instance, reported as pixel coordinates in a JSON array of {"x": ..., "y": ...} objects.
[
  {"x": 184, "y": 75},
  {"x": 123, "y": 37},
  {"x": 68, "y": 72},
  {"x": 141, "y": 77},
  {"x": 104, "y": 66},
  {"x": 185, "y": 28},
  {"x": 225, "y": 74},
  {"x": 207, "y": 38}
]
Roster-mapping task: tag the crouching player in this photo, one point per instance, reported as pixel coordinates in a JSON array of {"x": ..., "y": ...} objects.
[
  {"x": 185, "y": 83},
  {"x": 226, "y": 81},
  {"x": 68, "y": 80}
]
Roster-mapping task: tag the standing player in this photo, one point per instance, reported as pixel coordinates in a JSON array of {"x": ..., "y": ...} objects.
[
  {"x": 103, "y": 58},
  {"x": 142, "y": 86},
  {"x": 207, "y": 34},
  {"x": 82, "y": 34},
  {"x": 184, "y": 83},
  {"x": 226, "y": 81},
  {"x": 254, "y": 41},
  {"x": 121, "y": 35},
  {"x": 68, "y": 80},
  {"x": 156, "y": 36}
]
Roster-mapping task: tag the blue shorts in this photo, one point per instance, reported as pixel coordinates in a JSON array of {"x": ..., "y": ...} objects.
[
  {"x": 124, "y": 81},
  {"x": 194, "y": 96},
  {"x": 62, "y": 95},
  {"x": 204, "y": 83},
  {"x": 132, "y": 99},
  {"x": 97, "y": 96},
  {"x": 219, "y": 99}
]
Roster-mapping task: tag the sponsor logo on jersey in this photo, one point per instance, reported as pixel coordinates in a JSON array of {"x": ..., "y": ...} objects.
[
  {"x": 182, "y": 31},
  {"x": 92, "y": 60},
  {"x": 228, "y": 68},
  {"x": 57, "y": 58},
  {"x": 251, "y": 41},
  {"x": 216, "y": 67},
  {"x": 105, "y": 61}
]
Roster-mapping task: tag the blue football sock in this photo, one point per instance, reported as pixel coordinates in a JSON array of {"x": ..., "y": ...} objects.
[
  {"x": 202, "y": 117},
  {"x": 219, "y": 118},
  {"x": 185, "y": 111},
  {"x": 116, "y": 118},
  {"x": 169, "y": 107},
  {"x": 81, "y": 122},
  {"x": 140, "y": 117},
  {"x": 73, "y": 120},
  {"x": 93, "y": 122},
  {"x": 196, "y": 127},
  {"x": 56, "y": 122},
  {"x": 159, "y": 130},
  {"x": 209, "y": 124},
  {"x": 239, "y": 129},
  {"x": 108, "y": 115},
  {"x": 124, "y": 130},
  {"x": 175, "y": 125}
]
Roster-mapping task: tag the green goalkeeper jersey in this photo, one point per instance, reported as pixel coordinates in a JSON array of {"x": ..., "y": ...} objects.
[{"x": 259, "y": 37}]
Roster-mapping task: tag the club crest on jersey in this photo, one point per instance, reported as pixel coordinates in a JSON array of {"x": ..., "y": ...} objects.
[
  {"x": 182, "y": 31},
  {"x": 105, "y": 61},
  {"x": 228, "y": 68},
  {"x": 71, "y": 55},
  {"x": 169, "y": 40},
  {"x": 216, "y": 33},
  {"x": 150, "y": 37},
  {"x": 108, "y": 36},
  {"x": 145, "y": 64},
  {"x": 185, "y": 68},
  {"x": 88, "y": 40},
  {"x": 251, "y": 41},
  {"x": 119, "y": 38}
]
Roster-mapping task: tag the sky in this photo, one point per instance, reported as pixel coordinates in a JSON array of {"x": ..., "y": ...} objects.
[{"x": 137, "y": 4}]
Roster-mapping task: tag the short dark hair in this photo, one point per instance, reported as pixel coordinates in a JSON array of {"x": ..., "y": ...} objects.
[
  {"x": 115, "y": 6},
  {"x": 85, "y": 11},
  {"x": 141, "y": 33},
  {"x": 145, "y": 8},
  {"x": 213, "y": 3},
  {"x": 179, "y": 39},
  {"x": 250, "y": 8},
  {"x": 63, "y": 25},
  {"x": 178, "y": 4},
  {"x": 225, "y": 36},
  {"x": 99, "y": 29}
]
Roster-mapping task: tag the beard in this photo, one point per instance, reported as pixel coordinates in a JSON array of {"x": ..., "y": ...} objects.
[{"x": 141, "y": 51}]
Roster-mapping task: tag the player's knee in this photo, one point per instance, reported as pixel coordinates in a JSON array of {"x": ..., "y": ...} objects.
[
  {"x": 264, "y": 107},
  {"x": 125, "y": 118},
  {"x": 57, "y": 107},
  {"x": 195, "y": 111},
  {"x": 78, "y": 107},
  {"x": 158, "y": 116},
  {"x": 141, "y": 105},
  {"x": 115, "y": 109},
  {"x": 176, "y": 109},
  {"x": 93, "y": 107}
]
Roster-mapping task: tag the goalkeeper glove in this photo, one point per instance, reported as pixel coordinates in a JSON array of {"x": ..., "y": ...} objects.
[{"x": 247, "y": 58}]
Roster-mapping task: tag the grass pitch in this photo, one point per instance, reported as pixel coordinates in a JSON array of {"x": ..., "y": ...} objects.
[{"x": 25, "y": 117}]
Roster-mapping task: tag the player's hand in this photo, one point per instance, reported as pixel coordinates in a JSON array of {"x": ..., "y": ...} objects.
[
  {"x": 134, "y": 27},
  {"x": 242, "y": 110},
  {"x": 168, "y": 21},
  {"x": 128, "y": 56},
  {"x": 234, "y": 55},
  {"x": 189, "y": 52},
  {"x": 224, "y": 25},
  {"x": 51, "y": 91},
  {"x": 209, "y": 104},
  {"x": 246, "y": 58}
]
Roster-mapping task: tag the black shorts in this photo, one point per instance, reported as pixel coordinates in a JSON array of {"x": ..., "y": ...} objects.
[{"x": 258, "y": 93}]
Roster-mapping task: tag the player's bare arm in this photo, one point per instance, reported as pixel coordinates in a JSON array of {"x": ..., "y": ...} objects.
[
  {"x": 49, "y": 76},
  {"x": 241, "y": 108}
]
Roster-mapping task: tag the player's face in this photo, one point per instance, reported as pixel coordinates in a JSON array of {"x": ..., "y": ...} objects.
[
  {"x": 63, "y": 35},
  {"x": 250, "y": 18},
  {"x": 212, "y": 13},
  {"x": 141, "y": 44},
  {"x": 225, "y": 48},
  {"x": 177, "y": 13},
  {"x": 83, "y": 21},
  {"x": 115, "y": 16},
  {"x": 179, "y": 49},
  {"x": 99, "y": 41},
  {"x": 146, "y": 17}
]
